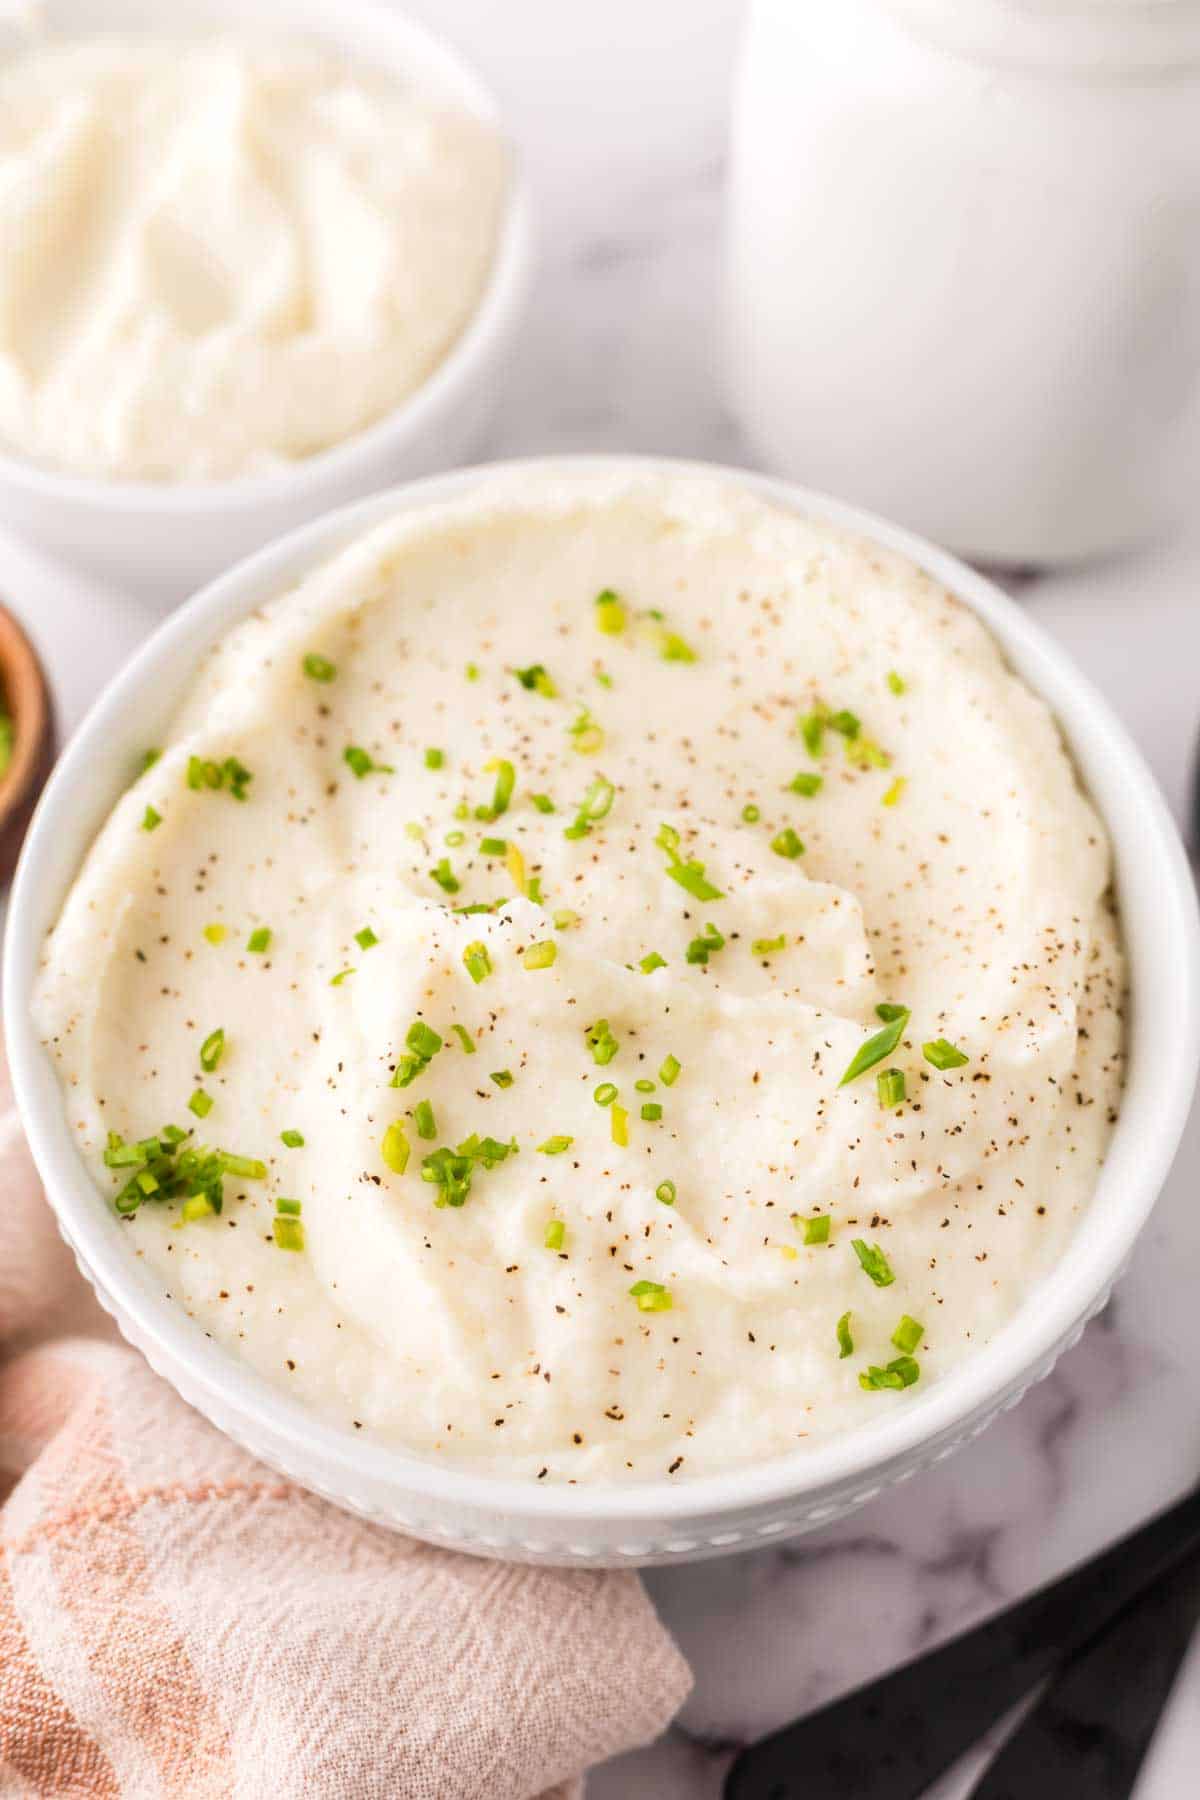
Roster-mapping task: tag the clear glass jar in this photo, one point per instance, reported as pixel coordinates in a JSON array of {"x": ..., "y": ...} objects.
[{"x": 964, "y": 263}]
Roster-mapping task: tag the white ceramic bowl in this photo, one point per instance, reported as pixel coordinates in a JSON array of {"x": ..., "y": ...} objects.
[
  {"x": 163, "y": 538},
  {"x": 655, "y": 1520}
]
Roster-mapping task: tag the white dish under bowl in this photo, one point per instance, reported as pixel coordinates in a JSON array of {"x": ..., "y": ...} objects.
[
  {"x": 654, "y": 1521},
  {"x": 163, "y": 538}
]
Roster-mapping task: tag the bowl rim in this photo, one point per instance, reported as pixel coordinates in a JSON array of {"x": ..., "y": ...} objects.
[
  {"x": 403, "y": 425},
  {"x": 1157, "y": 1098}
]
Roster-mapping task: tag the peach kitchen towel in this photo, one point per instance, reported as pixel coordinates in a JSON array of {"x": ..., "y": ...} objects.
[{"x": 176, "y": 1619}]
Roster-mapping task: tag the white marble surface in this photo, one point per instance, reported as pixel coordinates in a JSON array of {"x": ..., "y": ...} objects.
[{"x": 620, "y": 110}]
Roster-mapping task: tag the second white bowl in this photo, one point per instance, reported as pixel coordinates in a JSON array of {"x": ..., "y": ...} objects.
[{"x": 164, "y": 538}]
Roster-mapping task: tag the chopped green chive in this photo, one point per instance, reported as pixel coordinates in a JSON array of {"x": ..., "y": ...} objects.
[
  {"x": 874, "y": 1262},
  {"x": 167, "y": 1167},
  {"x": 665, "y": 1191},
  {"x": 899, "y": 1374},
  {"x": 288, "y": 1233},
  {"x": 424, "y": 1120},
  {"x": 786, "y": 843},
  {"x": 259, "y": 940},
  {"x": 445, "y": 877},
  {"x": 503, "y": 1078},
  {"x": 120, "y": 1155},
  {"x": 586, "y": 735},
  {"x": 813, "y": 1231},
  {"x": 651, "y": 1296},
  {"x": 365, "y": 939},
  {"x": 452, "y": 1171},
  {"x": 395, "y": 1148},
  {"x": 611, "y": 616},
  {"x": 151, "y": 819},
  {"x": 669, "y": 1073},
  {"x": 247, "y": 1168},
  {"x": 362, "y": 765},
  {"x": 535, "y": 680},
  {"x": 435, "y": 758},
  {"x": 620, "y": 1126},
  {"x": 477, "y": 962},
  {"x": 768, "y": 946},
  {"x": 879, "y": 1046},
  {"x": 595, "y": 805},
  {"x": 889, "y": 1085},
  {"x": 605, "y": 1094},
  {"x": 651, "y": 1112},
  {"x": 554, "y": 1146},
  {"x": 908, "y": 1334},
  {"x": 515, "y": 863},
  {"x": 812, "y": 729},
  {"x": 652, "y": 961},
  {"x": 318, "y": 668},
  {"x": 865, "y": 753},
  {"x": 847, "y": 723},
  {"x": 944, "y": 1055},
  {"x": 202, "y": 773},
  {"x": 465, "y": 1039},
  {"x": 422, "y": 1040},
  {"x": 673, "y": 648},
  {"x": 196, "y": 1206},
  {"x": 149, "y": 758},
  {"x": 543, "y": 802},
  {"x": 541, "y": 956},
  {"x": 502, "y": 793},
  {"x": 892, "y": 797},
  {"x": 472, "y": 671},
  {"x": 293, "y": 1139},
  {"x": 564, "y": 919},
  {"x": 750, "y": 814},
  {"x": 644, "y": 1085},
  {"x": 342, "y": 975},
  {"x": 601, "y": 1042},
  {"x": 215, "y": 934},
  {"x": 292, "y": 1208},
  {"x": 491, "y": 846},
  {"x": 701, "y": 948},
  {"x": 556, "y": 1231},
  {"x": 805, "y": 783},
  {"x": 200, "y": 1104},
  {"x": 422, "y": 1045},
  {"x": 896, "y": 682},
  {"x": 211, "y": 1050},
  {"x": 845, "y": 1341},
  {"x": 688, "y": 873}
]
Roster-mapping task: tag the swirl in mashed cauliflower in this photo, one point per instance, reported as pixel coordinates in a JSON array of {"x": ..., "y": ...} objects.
[
  {"x": 220, "y": 256},
  {"x": 555, "y": 862}
]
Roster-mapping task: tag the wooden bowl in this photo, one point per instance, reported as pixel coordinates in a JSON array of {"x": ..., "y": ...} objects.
[{"x": 26, "y": 699}]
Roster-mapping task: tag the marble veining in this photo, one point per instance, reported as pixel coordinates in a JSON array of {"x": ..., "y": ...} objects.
[{"x": 621, "y": 115}]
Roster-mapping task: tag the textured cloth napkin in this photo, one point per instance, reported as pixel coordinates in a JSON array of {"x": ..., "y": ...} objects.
[{"x": 177, "y": 1620}]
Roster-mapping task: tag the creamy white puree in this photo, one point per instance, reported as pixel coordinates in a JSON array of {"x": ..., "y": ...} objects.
[
  {"x": 220, "y": 256},
  {"x": 977, "y": 898}
]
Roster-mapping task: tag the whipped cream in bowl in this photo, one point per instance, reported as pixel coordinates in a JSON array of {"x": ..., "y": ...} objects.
[{"x": 606, "y": 1004}]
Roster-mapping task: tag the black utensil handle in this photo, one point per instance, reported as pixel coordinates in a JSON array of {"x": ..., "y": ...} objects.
[
  {"x": 891, "y": 1739},
  {"x": 1090, "y": 1731}
]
